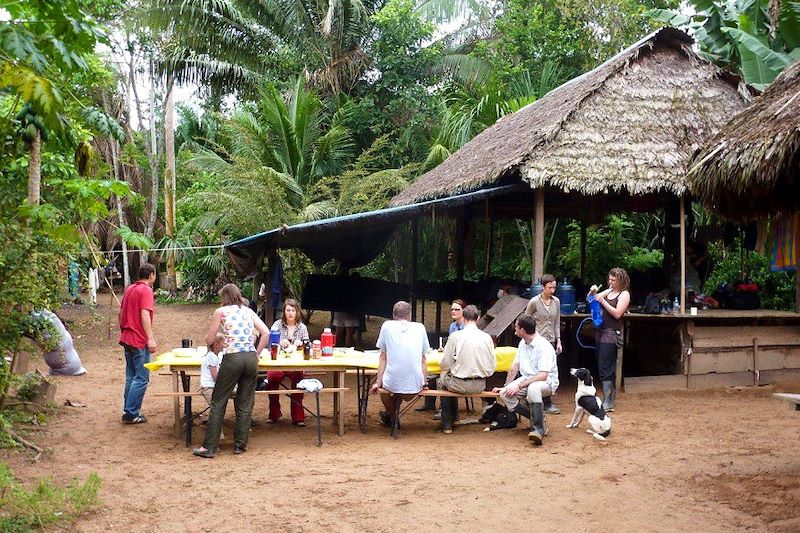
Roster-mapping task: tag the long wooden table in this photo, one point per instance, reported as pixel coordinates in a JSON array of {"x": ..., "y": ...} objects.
[{"x": 183, "y": 364}]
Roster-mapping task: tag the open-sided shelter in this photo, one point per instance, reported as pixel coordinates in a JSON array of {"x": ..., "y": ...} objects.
[{"x": 751, "y": 168}]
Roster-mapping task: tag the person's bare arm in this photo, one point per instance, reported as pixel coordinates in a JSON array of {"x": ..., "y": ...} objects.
[
  {"x": 379, "y": 379},
  {"x": 512, "y": 374},
  {"x": 424, "y": 372},
  {"x": 214, "y": 370},
  {"x": 213, "y": 328},
  {"x": 622, "y": 305},
  {"x": 147, "y": 326}
]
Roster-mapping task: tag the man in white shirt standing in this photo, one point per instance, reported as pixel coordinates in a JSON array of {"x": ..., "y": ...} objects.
[
  {"x": 402, "y": 369},
  {"x": 467, "y": 361},
  {"x": 535, "y": 363}
]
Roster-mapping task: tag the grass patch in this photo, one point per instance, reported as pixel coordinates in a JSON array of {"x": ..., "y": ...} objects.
[{"x": 46, "y": 504}]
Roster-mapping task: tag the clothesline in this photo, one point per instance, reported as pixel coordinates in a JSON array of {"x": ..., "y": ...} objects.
[{"x": 211, "y": 246}]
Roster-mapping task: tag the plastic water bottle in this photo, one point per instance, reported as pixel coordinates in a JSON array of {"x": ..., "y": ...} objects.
[
  {"x": 327, "y": 339},
  {"x": 676, "y": 306},
  {"x": 596, "y": 309}
]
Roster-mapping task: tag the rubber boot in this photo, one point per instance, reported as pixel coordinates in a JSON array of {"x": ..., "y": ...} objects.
[
  {"x": 449, "y": 406},
  {"x": 550, "y": 406},
  {"x": 609, "y": 396},
  {"x": 537, "y": 425},
  {"x": 522, "y": 409},
  {"x": 429, "y": 401}
]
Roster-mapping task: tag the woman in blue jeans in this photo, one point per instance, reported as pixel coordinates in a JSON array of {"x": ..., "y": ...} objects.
[{"x": 239, "y": 368}]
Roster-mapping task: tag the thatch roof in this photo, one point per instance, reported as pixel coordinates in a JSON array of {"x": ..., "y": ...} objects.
[
  {"x": 751, "y": 168},
  {"x": 630, "y": 125}
]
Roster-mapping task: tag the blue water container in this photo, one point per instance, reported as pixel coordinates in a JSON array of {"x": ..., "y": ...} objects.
[
  {"x": 566, "y": 295},
  {"x": 536, "y": 289},
  {"x": 596, "y": 309}
]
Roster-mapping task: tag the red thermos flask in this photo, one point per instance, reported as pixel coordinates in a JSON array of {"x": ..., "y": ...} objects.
[{"x": 327, "y": 340}]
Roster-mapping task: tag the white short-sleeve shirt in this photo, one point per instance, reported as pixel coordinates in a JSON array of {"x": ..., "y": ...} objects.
[
  {"x": 538, "y": 356},
  {"x": 404, "y": 343},
  {"x": 210, "y": 359}
]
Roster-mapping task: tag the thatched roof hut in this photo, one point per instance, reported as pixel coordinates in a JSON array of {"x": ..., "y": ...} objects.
[
  {"x": 751, "y": 168},
  {"x": 629, "y": 126}
]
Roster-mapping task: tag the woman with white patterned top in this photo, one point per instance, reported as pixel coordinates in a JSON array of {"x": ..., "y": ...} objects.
[{"x": 239, "y": 368}]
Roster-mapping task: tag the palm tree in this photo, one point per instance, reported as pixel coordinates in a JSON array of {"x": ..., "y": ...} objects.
[{"x": 281, "y": 143}]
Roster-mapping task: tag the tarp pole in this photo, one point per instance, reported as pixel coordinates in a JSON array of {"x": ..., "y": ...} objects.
[
  {"x": 797, "y": 290},
  {"x": 489, "y": 242},
  {"x": 413, "y": 284},
  {"x": 538, "y": 236},
  {"x": 683, "y": 255},
  {"x": 461, "y": 232},
  {"x": 582, "y": 264},
  {"x": 272, "y": 260}
]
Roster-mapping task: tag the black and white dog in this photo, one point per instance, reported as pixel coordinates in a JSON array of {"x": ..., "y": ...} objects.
[
  {"x": 586, "y": 400},
  {"x": 498, "y": 417}
]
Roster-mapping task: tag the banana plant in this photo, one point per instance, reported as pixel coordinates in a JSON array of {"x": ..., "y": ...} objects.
[{"x": 757, "y": 39}]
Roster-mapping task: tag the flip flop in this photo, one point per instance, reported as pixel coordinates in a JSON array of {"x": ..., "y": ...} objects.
[{"x": 202, "y": 452}]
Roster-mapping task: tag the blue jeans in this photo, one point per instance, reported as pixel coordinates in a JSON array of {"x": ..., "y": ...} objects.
[{"x": 136, "y": 379}]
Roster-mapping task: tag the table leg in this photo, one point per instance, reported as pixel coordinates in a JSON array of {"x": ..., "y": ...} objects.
[
  {"x": 319, "y": 424},
  {"x": 363, "y": 384},
  {"x": 338, "y": 401},
  {"x": 176, "y": 405},
  {"x": 187, "y": 407}
]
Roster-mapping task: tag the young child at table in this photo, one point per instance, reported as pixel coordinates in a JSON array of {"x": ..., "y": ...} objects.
[{"x": 209, "y": 367}]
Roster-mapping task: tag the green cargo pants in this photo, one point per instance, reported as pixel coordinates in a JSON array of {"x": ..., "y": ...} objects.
[{"x": 236, "y": 369}]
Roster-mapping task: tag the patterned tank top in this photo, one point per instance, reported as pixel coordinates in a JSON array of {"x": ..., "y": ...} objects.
[{"x": 239, "y": 329}]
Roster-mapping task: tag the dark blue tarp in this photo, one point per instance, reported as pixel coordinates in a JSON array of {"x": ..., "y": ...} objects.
[{"x": 352, "y": 240}]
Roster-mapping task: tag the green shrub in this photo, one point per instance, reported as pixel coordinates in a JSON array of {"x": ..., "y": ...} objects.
[
  {"x": 46, "y": 504},
  {"x": 732, "y": 264}
]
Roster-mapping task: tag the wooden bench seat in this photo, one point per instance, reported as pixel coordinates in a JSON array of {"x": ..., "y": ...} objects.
[
  {"x": 188, "y": 417},
  {"x": 397, "y": 412},
  {"x": 791, "y": 398}
]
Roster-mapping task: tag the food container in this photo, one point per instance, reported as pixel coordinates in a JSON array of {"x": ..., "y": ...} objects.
[{"x": 316, "y": 349}]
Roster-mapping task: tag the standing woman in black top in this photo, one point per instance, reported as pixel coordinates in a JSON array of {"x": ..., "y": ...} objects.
[{"x": 615, "y": 301}]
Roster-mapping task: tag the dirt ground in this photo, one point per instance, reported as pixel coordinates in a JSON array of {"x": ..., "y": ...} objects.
[{"x": 683, "y": 461}]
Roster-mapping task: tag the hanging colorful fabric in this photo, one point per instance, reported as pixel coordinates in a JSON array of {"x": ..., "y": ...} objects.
[{"x": 785, "y": 243}]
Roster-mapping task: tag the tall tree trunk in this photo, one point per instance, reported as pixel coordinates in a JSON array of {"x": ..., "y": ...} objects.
[
  {"x": 35, "y": 169},
  {"x": 169, "y": 179},
  {"x": 152, "y": 156}
]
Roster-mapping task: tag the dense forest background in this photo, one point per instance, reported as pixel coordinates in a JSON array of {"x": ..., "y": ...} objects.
[{"x": 300, "y": 111}]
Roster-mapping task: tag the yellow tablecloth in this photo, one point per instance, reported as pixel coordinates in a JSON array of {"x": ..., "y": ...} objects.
[{"x": 354, "y": 359}]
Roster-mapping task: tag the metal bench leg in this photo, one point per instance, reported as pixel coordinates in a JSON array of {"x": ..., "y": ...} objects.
[
  {"x": 397, "y": 400},
  {"x": 187, "y": 413},
  {"x": 319, "y": 422}
]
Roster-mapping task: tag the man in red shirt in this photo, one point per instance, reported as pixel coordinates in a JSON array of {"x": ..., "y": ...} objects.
[{"x": 136, "y": 336}]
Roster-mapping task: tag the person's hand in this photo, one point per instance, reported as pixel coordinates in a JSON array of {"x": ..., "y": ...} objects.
[
  {"x": 425, "y": 386},
  {"x": 152, "y": 344},
  {"x": 600, "y": 297},
  {"x": 511, "y": 390},
  {"x": 284, "y": 343},
  {"x": 558, "y": 346},
  {"x": 498, "y": 390},
  {"x": 374, "y": 388}
]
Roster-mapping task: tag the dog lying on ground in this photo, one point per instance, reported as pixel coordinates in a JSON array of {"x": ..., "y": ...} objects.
[
  {"x": 498, "y": 417},
  {"x": 586, "y": 400}
]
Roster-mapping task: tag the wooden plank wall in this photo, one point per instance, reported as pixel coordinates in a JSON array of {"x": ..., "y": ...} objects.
[{"x": 741, "y": 355}]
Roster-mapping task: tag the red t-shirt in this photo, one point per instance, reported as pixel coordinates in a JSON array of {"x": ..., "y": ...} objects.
[{"x": 136, "y": 297}]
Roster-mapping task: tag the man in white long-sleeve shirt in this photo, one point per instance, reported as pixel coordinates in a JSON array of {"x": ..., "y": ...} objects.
[
  {"x": 535, "y": 363},
  {"x": 467, "y": 361}
]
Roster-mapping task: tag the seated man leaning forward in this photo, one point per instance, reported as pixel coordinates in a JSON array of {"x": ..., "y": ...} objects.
[
  {"x": 467, "y": 361},
  {"x": 402, "y": 368},
  {"x": 535, "y": 363}
]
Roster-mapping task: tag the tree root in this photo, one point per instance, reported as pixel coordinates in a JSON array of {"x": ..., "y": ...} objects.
[{"x": 27, "y": 444}]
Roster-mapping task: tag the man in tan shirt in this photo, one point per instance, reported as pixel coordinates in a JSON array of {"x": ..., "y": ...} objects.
[{"x": 467, "y": 361}]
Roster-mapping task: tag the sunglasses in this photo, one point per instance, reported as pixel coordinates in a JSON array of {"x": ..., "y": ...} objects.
[{"x": 456, "y": 309}]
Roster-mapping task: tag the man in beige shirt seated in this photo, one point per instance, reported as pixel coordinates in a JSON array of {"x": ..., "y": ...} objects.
[{"x": 467, "y": 361}]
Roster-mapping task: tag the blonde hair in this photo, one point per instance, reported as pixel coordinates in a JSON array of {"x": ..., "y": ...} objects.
[{"x": 623, "y": 280}]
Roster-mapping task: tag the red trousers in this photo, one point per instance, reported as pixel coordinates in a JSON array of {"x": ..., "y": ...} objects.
[{"x": 274, "y": 378}]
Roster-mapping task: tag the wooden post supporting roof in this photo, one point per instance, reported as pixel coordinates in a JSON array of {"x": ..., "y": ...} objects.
[
  {"x": 683, "y": 255},
  {"x": 413, "y": 284},
  {"x": 538, "y": 236}
]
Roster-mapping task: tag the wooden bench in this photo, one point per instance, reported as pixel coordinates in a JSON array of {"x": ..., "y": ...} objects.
[
  {"x": 435, "y": 393},
  {"x": 188, "y": 417},
  {"x": 791, "y": 398}
]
